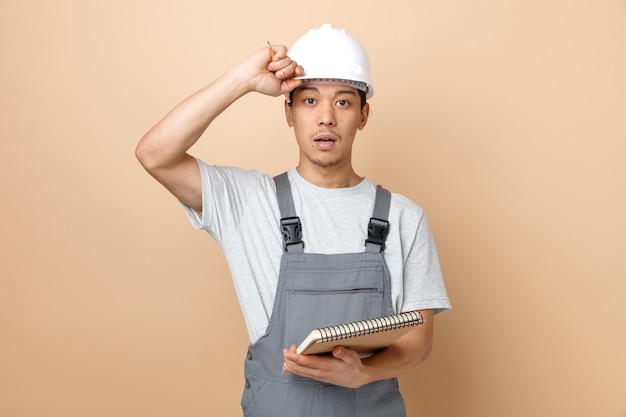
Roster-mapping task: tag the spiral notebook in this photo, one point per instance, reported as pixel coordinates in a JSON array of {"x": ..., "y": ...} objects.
[{"x": 365, "y": 337}]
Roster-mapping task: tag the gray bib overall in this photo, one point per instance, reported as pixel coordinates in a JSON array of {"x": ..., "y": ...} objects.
[{"x": 318, "y": 290}]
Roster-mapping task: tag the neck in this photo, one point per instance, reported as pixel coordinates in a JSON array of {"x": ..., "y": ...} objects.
[{"x": 329, "y": 177}]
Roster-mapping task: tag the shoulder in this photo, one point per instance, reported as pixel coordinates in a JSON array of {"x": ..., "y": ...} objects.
[
  {"x": 402, "y": 206},
  {"x": 215, "y": 176},
  {"x": 407, "y": 218}
]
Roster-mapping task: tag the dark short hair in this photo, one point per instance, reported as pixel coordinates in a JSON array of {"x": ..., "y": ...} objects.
[{"x": 361, "y": 95}]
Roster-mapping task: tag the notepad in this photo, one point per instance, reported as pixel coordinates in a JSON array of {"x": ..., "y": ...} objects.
[{"x": 365, "y": 336}]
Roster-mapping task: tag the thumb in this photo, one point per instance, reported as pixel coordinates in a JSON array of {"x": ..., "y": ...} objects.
[
  {"x": 338, "y": 352},
  {"x": 289, "y": 84}
]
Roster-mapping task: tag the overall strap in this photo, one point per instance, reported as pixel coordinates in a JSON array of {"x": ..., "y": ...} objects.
[
  {"x": 290, "y": 225},
  {"x": 378, "y": 225}
]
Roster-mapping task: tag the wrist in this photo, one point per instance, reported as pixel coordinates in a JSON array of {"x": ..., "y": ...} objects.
[
  {"x": 366, "y": 375},
  {"x": 239, "y": 80}
]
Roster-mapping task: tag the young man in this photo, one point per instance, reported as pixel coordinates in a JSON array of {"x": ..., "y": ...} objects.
[{"x": 298, "y": 245}]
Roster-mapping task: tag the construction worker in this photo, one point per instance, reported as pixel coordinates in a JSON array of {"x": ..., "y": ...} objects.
[{"x": 298, "y": 244}]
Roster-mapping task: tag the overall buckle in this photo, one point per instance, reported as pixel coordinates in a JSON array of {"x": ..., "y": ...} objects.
[
  {"x": 291, "y": 229},
  {"x": 377, "y": 232}
]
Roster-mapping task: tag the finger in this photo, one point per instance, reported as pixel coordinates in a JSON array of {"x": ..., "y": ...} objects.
[
  {"x": 291, "y": 353},
  {"x": 274, "y": 54},
  {"x": 345, "y": 355},
  {"x": 286, "y": 362},
  {"x": 293, "y": 359},
  {"x": 286, "y": 369},
  {"x": 293, "y": 70},
  {"x": 338, "y": 352},
  {"x": 277, "y": 52},
  {"x": 289, "y": 73},
  {"x": 289, "y": 84},
  {"x": 282, "y": 65}
]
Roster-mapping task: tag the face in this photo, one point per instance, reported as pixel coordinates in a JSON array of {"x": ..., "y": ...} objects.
[{"x": 325, "y": 119}]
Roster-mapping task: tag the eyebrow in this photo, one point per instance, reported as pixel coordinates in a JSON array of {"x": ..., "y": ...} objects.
[{"x": 338, "y": 93}]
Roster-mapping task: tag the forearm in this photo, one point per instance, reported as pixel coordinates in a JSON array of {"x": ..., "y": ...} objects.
[
  {"x": 267, "y": 71},
  {"x": 169, "y": 140},
  {"x": 407, "y": 352}
]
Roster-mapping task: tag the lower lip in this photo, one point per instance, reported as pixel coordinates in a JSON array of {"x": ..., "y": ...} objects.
[{"x": 325, "y": 144}]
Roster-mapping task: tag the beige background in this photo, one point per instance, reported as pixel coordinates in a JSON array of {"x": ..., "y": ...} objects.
[{"x": 505, "y": 120}]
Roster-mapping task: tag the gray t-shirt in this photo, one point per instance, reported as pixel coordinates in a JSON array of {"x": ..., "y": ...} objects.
[{"x": 241, "y": 212}]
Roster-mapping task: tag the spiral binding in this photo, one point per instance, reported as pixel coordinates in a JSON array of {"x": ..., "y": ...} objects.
[{"x": 380, "y": 324}]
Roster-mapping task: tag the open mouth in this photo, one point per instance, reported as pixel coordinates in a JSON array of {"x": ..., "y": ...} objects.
[
  {"x": 325, "y": 139},
  {"x": 325, "y": 142},
  {"x": 325, "y": 135}
]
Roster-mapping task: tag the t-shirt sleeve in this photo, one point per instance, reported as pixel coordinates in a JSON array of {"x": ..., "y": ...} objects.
[
  {"x": 223, "y": 199},
  {"x": 424, "y": 285}
]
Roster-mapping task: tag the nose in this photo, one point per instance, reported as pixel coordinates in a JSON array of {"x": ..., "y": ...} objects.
[{"x": 326, "y": 115}]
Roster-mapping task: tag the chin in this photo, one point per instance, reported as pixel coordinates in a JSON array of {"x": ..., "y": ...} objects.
[{"x": 325, "y": 164}]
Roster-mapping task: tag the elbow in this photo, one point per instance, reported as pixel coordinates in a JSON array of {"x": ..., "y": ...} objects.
[
  {"x": 142, "y": 154},
  {"x": 147, "y": 155},
  {"x": 421, "y": 345},
  {"x": 426, "y": 351},
  {"x": 425, "y": 337}
]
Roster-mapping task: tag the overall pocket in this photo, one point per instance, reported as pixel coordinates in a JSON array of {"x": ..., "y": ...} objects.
[{"x": 335, "y": 292}]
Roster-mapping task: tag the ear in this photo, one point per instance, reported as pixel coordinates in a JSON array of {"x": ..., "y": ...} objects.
[
  {"x": 288, "y": 113},
  {"x": 365, "y": 113}
]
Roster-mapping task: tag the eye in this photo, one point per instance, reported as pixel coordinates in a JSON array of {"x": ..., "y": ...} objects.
[
  {"x": 309, "y": 100},
  {"x": 343, "y": 103}
]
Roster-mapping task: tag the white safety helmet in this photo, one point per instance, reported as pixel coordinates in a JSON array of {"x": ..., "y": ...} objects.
[{"x": 331, "y": 55}]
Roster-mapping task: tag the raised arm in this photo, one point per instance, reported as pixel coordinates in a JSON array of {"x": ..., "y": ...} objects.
[{"x": 163, "y": 149}]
